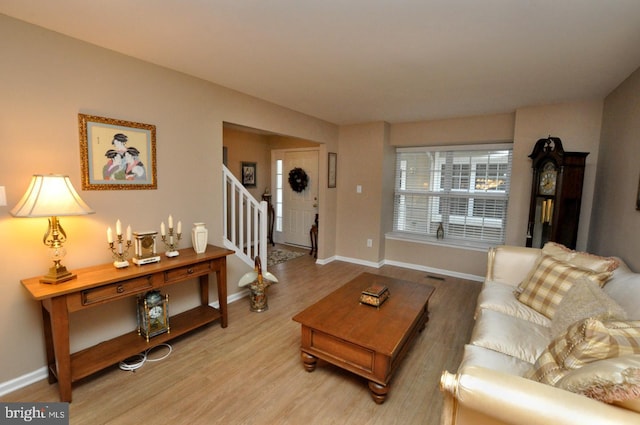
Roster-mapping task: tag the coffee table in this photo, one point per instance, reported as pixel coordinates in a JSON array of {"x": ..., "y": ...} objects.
[{"x": 368, "y": 341}]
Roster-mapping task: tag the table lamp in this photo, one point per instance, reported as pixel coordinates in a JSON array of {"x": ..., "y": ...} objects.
[{"x": 52, "y": 196}]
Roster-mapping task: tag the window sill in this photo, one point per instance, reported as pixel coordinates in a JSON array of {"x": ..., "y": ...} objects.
[{"x": 430, "y": 240}]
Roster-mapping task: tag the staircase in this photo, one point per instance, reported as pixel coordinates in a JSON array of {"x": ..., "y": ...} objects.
[{"x": 245, "y": 221}]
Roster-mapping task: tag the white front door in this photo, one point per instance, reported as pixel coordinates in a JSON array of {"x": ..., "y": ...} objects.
[{"x": 299, "y": 208}]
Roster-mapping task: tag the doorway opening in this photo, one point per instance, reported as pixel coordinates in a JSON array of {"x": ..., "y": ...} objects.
[{"x": 274, "y": 156}]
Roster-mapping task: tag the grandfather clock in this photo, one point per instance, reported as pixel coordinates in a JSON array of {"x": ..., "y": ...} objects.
[{"x": 556, "y": 194}]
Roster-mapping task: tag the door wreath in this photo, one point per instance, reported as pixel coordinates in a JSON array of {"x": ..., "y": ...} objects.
[{"x": 298, "y": 179}]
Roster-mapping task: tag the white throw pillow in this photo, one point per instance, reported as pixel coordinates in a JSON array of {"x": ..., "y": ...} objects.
[{"x": 584, "y": 299}]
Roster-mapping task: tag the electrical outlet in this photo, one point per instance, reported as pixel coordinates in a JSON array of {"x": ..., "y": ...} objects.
[{"x": 369, "y": 243}]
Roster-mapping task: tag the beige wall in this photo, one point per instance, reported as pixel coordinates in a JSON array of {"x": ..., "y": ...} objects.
[
  {"x": 454, "y": 131},
  {"x": 47, "y": 79},
  {"x": 244, "y": 146},
  {"x": 360, "y": 163},
  {"x": 615, "y": 227}
]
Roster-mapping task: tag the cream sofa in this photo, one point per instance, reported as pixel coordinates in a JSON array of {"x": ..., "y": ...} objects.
[{"x": 495, "y": 382}]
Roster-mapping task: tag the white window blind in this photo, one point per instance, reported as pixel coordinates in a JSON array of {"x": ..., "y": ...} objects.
[{"x": 466, "y": 188}]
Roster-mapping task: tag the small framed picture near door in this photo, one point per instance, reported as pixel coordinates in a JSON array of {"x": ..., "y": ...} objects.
[
  {"x": 333, "y": 169},
  {"x": 249, "y": 174}
]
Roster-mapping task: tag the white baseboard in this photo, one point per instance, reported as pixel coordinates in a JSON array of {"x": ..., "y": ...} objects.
[
  {"x": 435, "y": 270},
  {"x": 401, "y": 264},
  {"x": 23, "y": 381},
  {"x": 360, "y": 262},
  {"x": 323, "y": 261}
]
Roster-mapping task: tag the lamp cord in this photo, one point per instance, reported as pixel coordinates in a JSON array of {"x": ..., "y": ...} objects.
[{"x": 137, "y": 361}]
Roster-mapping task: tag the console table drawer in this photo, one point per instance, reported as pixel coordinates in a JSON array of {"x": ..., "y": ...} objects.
[
  {"x": 185, "y": 272},
  {"x": 116, "y": 290}
]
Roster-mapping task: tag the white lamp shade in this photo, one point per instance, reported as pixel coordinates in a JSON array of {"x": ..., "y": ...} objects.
[{"x": 50, "y": 195}]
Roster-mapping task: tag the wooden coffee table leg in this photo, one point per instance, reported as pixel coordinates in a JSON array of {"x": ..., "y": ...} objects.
[
  {"x": 378, "y": 392},
  {"x": 309, "y": 361}
]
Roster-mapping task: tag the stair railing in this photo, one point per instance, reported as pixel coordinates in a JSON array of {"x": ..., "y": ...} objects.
[{"x": 245, "y": 221}]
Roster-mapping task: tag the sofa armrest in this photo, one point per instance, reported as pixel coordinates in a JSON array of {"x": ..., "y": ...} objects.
[
  {"x": 476, "y": 392},
  {"x": 510, "y": 264}
]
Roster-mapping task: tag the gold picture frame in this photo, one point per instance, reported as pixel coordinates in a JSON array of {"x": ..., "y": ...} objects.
[{"x": 117, "y": 154}]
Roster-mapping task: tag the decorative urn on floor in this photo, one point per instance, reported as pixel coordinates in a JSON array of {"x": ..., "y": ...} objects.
[{"x": 258, "y": 284}]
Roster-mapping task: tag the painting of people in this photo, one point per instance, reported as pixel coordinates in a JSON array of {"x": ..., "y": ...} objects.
[{"x": 117, "y": 154}]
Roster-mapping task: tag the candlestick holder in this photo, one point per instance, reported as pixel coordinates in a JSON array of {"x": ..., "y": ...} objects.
[
  {"x": 171, "y": 241},
  {"x": 120, "y": 250}
]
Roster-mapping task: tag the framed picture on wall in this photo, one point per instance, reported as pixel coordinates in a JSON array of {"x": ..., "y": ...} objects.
[
  {"x": 333, "y": 169},
  {"x": 117, "y": 154},
  {"x": 249, "y": 174}
]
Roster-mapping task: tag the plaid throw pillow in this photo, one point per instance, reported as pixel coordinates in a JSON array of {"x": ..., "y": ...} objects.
[
  {"x": 585, "y": 342},
  {"x": 548, "y": 282},
  {"x": 580, "y": 259}
]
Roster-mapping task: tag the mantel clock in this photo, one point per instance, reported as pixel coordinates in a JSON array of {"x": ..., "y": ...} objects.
[
  {"x": 153, "y": 314},
  {"x": 145, "y": 248}
]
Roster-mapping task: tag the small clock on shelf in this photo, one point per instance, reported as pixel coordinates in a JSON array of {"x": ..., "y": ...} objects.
[
  {"x": 153, "y": 314},
  {"x": 145, "y": 248}
]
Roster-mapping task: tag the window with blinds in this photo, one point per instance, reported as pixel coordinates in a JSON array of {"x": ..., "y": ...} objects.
[{"x": 466, "y": 188}]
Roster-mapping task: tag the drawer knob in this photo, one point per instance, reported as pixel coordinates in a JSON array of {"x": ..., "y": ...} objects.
[
  {"x": 120, "y": 289},
  {"x": 190, "y": 271}
]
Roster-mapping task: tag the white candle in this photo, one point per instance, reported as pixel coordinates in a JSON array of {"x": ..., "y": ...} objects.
[
  {"x": 109, "y": 235},
  {"x": 162, "y": 231},
  {"x": 118, "y": 228},
  {"x": 128, "y": 233},
  {"x": 179, "y": 227},
  {"x": 170, "y": 222}
]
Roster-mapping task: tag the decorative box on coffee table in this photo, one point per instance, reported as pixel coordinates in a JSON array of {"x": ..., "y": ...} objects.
[{"x": 374, "y": 295}]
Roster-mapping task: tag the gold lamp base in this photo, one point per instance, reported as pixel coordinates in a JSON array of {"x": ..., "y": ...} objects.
[
  {"x": 52, "y": 195},
  {"x": 57, "y": 274}
]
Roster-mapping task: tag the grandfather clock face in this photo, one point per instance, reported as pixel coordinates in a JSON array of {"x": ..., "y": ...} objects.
[{"x": 547, "y": 179}]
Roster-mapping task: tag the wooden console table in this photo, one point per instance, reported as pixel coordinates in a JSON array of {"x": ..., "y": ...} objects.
[{"x": 103, "y": 284}]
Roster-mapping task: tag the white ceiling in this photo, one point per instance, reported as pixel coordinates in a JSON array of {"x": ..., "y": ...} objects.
[{"x": 351, "y": 61}]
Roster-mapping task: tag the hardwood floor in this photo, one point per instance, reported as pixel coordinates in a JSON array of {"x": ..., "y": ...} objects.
[{"x": 251, "y": 372}]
